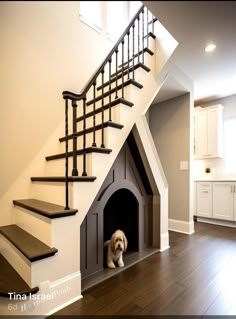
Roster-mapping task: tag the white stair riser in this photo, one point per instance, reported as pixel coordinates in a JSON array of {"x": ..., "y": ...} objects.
[
  {"x": 65, "y": 237},
  {"x": 89, "y": 139},
  {"x": 35, "y": 224},
  {"x": 51, "y": 192},
  {"x": 57, "y": 167},
  {"x": 98, "y": 117}
]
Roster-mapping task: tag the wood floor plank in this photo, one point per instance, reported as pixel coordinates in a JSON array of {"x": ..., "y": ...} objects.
[{"x": 196, "y": 276}]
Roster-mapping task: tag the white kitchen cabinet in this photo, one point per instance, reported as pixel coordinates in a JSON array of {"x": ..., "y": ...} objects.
[
  {"x": 224, "y": 199},
  {"x": 204, "y": 199},
  {"x": 208, "y": 132}
]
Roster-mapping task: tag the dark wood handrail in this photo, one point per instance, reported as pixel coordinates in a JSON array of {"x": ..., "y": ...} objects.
[{"x": 79, "y": 96}]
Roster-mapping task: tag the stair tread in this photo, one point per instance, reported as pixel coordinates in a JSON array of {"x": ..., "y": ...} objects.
[
  {"x": 12, "y": 282},
  {"x": 118, "y": 75},
  {"x": 45, "y": 208},
  {"x": 106, "y": 106},
  {"x": 113, "y": 90},
  {"x": 32, "y": 248},
  {"x": 80, "y": 152},
  {"x": 97, "y": 127},
  {"x": 137, "y": 54},
  {"x": 63, "y": 179}
]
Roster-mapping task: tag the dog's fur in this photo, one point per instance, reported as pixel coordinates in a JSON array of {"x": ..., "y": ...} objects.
[{"x": 115, "y": 248}]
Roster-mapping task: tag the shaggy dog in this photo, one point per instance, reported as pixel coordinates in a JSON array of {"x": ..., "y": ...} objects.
[{"x": 115, "y": 248}]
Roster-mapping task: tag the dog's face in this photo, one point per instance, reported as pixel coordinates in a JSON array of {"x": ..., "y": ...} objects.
[{"x": 119, "y": 241}]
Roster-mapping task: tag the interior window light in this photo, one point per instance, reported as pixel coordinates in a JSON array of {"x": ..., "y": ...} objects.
[
  {"x": 117, "y": 14},
  {"x": 133, "y": 7},
  {"x": 91, "y": 14}
]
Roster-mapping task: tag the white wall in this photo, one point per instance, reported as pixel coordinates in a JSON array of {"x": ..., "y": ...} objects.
[{"x": 45, "y": 49}]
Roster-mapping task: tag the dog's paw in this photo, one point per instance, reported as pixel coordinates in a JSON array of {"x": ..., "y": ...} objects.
[
  {"x": 111, "y": 265},
  {"x": 121, "y": 264}
]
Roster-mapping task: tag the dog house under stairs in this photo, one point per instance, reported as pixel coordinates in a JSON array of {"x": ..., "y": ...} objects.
[{"x": 123, "y": 202}]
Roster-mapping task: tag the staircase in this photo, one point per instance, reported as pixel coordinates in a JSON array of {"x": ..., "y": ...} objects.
[{"x": 40, "y": 250}]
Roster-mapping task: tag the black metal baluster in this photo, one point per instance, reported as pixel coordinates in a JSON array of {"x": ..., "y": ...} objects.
[
  {"x": 74, "y": 136},
  {"x": 110, "y": 90},
  {"x": 116, "y": 97},
  {"x": 122, "y": 58},
  {"x": 84, "y": 137},
  {"x": 94, "y": 114},
  {"x": 66, "y": 158},
  {"x": 133, "y": 49},
  {"x": 147, "y": 27},
  {"x": 128, "y": 34},
  {"x": 102, "y": 144},
  {"x": 143, "y": 36},
  {"x": 138, "y": 39},
  {"x": 152, "y": 23}
]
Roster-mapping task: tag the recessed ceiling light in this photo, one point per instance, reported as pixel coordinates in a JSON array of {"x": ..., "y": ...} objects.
[{"x": 210, "y": 47}]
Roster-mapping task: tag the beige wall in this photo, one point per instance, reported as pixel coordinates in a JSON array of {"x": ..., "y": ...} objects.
[
  {"x": 170, "y": 127},
  {"x": 45, "y": 49}
]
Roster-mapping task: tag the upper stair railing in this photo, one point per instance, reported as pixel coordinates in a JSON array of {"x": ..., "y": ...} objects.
[{"x": 118, "y": 65}]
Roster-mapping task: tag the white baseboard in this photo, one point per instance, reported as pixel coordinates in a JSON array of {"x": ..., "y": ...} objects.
[
  {"x": 181, "y": 226},
  {"x": 51, "y": 298},
  {"x": 218, "y": 222},
  {"x": 164, "y": 242}
]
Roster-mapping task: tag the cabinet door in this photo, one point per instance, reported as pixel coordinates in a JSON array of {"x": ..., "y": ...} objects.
[
  {"x": 234, "y": 189},
  {"x": 204, "y": 199},
  {"x": 209, "y": 133},
  {"x": 202, "y": 134},
  {"x": 215, "y": 132},
  {"x": 223, "y": 200}
]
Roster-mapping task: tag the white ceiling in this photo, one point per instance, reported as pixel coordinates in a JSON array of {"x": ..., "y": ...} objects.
[{"x": 193, "y": 24}]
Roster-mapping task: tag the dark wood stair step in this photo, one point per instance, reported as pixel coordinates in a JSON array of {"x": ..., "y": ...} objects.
[
  {"x": 44, "y": 208},
  {"x": 137, "y": 54},
  {"x": 91, "y": 129},
  {"x": 32, "y": 248},
  {"x": 153, "y": 20},
  {"x": 12, "y": 282},
  {"x": 105, "y": 107},
  {"x": 87, "y": 150},
  {"x": 150, "y": 34},
  {"x": 118, "y": 75},
  {"x": 63, "y": 179},
  {"x": 113, "y": 90}
]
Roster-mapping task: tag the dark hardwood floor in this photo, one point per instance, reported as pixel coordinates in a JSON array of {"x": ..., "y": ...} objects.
[{"x": 196, "y": 276}]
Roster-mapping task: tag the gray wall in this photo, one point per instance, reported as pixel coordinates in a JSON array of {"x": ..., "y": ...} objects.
[{"x": 170, "y": 127}]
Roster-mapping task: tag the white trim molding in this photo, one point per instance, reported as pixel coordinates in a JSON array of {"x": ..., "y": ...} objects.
[
  {"x": 181, "y": 226},
  {"x": 164, "y": 242}
]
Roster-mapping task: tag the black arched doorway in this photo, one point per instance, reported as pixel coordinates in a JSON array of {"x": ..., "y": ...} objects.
[{"x": 121, "y": 212}]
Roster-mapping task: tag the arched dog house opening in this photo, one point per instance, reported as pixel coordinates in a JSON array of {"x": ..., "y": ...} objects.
[{"x": 121, "y": 212}]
